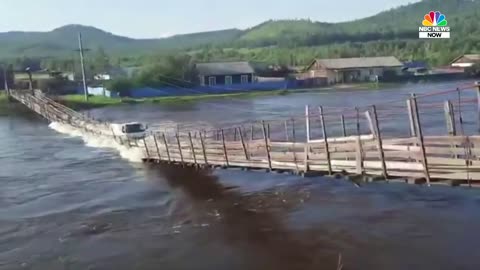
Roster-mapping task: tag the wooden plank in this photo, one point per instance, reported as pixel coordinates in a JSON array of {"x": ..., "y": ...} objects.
[
  {"x": 418, "y": 126},
  {"x": 243, "y": 144},
  {"x": 266, "y": 145},
  {"x": 224, "y": 147},
  {"x": 378, "y": 135},
  {"x": 352, "y": 139},
  {"x": 325, "y": 138}
]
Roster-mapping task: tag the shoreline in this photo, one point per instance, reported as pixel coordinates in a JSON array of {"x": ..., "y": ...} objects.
[{"x": 77, "y": 102}]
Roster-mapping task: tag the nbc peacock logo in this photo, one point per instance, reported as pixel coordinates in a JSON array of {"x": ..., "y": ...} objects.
[
  {"x": 434, "y": 25},
  {"x": 435, "y": 18}
]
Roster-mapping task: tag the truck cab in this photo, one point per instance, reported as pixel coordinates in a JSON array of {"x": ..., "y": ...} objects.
[{"x": 132, "y": 130}]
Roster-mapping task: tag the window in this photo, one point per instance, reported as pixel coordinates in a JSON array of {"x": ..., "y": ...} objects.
[
  {"x": 244, "y": 79},
  {"x": 212, "y": 81},
  {"x": 371, "y": 72},
  {"x": 202, "y": 80},
  {"x": 228, "y": 80}
]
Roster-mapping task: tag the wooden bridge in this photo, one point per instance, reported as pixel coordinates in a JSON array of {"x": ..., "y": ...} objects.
[{"x": 399, "y": 139}]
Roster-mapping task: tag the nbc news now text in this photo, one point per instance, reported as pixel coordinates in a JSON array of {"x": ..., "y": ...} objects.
[{"x": 434, "y": 32}]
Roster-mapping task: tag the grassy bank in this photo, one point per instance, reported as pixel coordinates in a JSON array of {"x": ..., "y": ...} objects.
[
  {"x": 3, "y": 103},
  {"x": 78, "y": 101}
]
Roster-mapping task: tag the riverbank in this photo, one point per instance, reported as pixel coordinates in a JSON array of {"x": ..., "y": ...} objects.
[
  {"x": 78, "y": 101},
  {"x": 3, "y": 103}
]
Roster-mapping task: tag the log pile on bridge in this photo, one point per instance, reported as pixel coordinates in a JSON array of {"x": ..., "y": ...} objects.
[{"x": 401, "y": 139}]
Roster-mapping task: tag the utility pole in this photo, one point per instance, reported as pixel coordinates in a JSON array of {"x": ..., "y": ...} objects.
[
  {"x": 82, "y": 63},
  {"x": 7, "y": 89}
]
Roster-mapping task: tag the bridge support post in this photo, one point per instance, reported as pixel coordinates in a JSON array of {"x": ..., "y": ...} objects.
[
  {"x": 243, "y": 144},
  {"x": 192, "y": 147},
  {"x": 450, "y": 118},
  {"x": 342, "y": 123},
  {"x": 378, "y": 136},
  {"x": 307, "y": 122},
  {"x": 325, "y": 138},
  {"x": 413, "y": 131},
  {"x": 267, "y": 148},
  {"x": 418, "y": 126},
  {"x": 156, "y": 146},
  {"x": 477, "y": 84},
  {"x": 225, "y": 148},
  {"x": 166, "y": 147}
]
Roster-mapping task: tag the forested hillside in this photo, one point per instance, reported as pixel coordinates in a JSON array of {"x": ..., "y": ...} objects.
[{"x": 288, "y": 42}]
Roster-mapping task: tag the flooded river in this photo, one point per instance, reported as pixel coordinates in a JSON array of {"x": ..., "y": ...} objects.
[{"x": 68, "y": 204}]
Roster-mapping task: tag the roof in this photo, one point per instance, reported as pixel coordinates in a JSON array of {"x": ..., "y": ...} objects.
[
  {"x": 471, "y": 57},
  {"x": 359, "y": 62},
  {"x": 415, "y": 64},
  {"x": 224, "y": 68}
]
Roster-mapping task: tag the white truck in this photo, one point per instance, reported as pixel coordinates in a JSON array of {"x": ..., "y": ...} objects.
[{"x": 129, "y": 131}]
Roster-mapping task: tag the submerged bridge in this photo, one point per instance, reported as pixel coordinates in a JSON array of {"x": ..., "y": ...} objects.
[{"x": 425, "y": 139}]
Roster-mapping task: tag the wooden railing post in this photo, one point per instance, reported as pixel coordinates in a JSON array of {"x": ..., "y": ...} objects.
[
  {"x": 156, "y": 146},
  {"x": 225, "y": 147},
  {"x": 267, "y": 148},
  {"x": 243, "y": 145},
  {"x": 370, "y": 123},
  {"x": 450, "y": 118},
  {"x": 204, "y": 150},
  {"x": 251, "y": 133},
  {"x": 359, "y": 156},
  {"x": 325, "y": 138},
  {"x": 294, "y": 137},
  {"x": 286, "y": 131},
  {"x": 235, "y": 135},
  {"x": 413, "y": 130},
  {"x": 418, "y": 125},
  {"x": 146, "y": 148},
  {"x": 192, "y": 147},
  {"x": 307, "y": 122},
  {"x": 359, "y": 132},
  {"x": 179, "y": 147},
  {"x": 378, "y": 136},
  {"x": 477, "y": 84},
  {"x": 344, "y": 129}
]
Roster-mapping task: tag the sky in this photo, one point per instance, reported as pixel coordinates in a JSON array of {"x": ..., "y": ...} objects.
[{"x": 162, "y": 18}]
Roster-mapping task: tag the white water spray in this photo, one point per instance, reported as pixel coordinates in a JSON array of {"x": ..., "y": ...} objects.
[{"x": 132, "y": 154}]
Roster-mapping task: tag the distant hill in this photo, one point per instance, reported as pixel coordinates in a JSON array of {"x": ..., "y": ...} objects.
[
  {"x": 63, "y": 40},
  {"x": 401, "y": 22},
  {"x": 395, "y": 24}
]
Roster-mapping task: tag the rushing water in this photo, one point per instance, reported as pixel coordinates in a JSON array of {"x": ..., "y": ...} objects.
[{"x": 74, "y": 203}]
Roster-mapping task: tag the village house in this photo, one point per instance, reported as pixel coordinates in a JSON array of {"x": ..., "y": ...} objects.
[
  {"x": 225, "y": 73},
  {"x": 466, "y": 61},
  {"x": 346, "y": 70}
]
